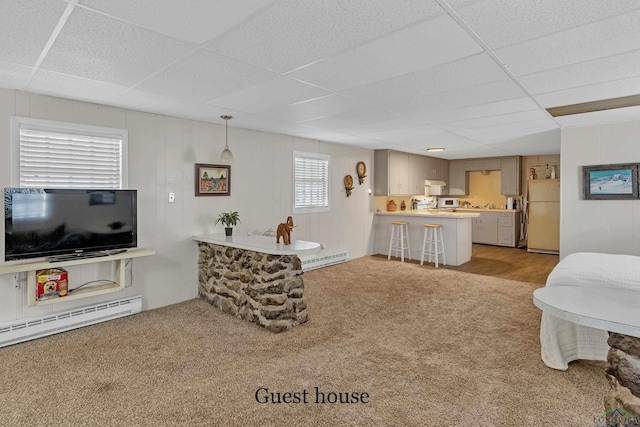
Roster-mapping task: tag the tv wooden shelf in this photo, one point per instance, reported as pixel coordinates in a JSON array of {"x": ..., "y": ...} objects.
[{"x": 30, "y": 267}]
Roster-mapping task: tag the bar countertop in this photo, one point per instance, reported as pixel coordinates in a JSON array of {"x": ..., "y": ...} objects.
[
  {"x": 258, "y": 243},
  {"x": 432, "y": 214}
]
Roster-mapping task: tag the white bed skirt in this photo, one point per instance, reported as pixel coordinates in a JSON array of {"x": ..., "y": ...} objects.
[{"x": 561, "y": 341}]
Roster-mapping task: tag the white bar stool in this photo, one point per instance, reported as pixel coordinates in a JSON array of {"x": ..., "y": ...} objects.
[
  {"x": 433, "y": 243},
  {"x": 399, "y": 241}
]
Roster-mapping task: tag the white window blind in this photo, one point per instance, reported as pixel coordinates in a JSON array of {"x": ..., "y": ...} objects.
[
  {"x": 68, "y": 158},
  {"x": 311, "y": 182}
]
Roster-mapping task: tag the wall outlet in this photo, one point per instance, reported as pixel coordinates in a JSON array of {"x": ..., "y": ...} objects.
[{"x": 172, "y": 197}]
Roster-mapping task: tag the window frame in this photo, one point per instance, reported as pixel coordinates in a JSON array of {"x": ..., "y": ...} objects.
[
  {"x": 311, "y": 209},
  {"x": 17, "y": 122}
]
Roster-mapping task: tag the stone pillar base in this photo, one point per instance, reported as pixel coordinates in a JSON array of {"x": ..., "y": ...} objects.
[
  {"x": 623, "y": 374},
  {"x": 257, "y": 287}
]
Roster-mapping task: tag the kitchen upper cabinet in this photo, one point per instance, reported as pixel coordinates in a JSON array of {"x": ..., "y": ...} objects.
[
  {"x": 398, "y": 173},
  {"x": 510, "y": 176},
  {"x": 434, "y": 169},
  {"x": 416, "y": 173},
  {"x": 488, "y": 164},
  {"x": 458, "y": 184},
  {"x": 444, "y": 172}
]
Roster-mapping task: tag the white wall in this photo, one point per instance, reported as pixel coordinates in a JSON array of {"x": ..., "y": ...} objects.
[
  {"x": 608, "y": 226},
  {"x": 162, "y": 154}
]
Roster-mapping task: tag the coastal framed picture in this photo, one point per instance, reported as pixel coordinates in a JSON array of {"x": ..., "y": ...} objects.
[
  {"x": 610, "y": 182},
  {"x": 213, "y": 180}
]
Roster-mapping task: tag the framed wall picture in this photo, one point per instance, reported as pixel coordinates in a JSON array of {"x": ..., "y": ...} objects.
[
  {"x": 610, "y": 182},
  {"x": 213, "y": 180}
]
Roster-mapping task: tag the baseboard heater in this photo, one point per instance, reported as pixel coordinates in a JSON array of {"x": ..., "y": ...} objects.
[
  {"x": 29, "y": 329},
  {"x": 312, "y": 263}
]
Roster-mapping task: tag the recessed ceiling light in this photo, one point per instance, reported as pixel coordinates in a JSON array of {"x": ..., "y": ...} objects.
[{"x": 435, "y": 149}]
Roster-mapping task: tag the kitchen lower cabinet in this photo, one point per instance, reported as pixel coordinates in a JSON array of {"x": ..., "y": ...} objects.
[
  {"x": 497, "y": 228},
  {"x": 485, "y": 229}
]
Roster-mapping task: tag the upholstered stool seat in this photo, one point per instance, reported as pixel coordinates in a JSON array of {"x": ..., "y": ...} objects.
[
  {"x": 399, "y": 242},
  {"x": 433, "y": 244}
]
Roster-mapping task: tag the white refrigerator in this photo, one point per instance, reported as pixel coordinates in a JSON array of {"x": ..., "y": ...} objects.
[{"x": 543, "y": 228}]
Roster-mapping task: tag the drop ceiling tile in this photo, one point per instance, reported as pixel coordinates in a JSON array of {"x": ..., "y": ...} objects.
[
  {"x": 385, "y": 127},
  {"x": 196, "y": 22},
  {"x": 269, "y": 94},
  {"x": 327, "y": 135},
  {"x": 465, "y": 97},
  {"x": 476, "y": 111},
  {"x": 135, "y": 99},
  {"x": 312, "y": 109},
  {"x": 25, "y": 28},
  {"x": 594, "y": 92},
  {"x": 496, "y": 120},
  {"x": 501, "y": 133},
  {"x": 545, "y": 142},
  {"x": 471, "y": 152},
  {"x": 272, "y": 126},
  {"x": 599, "y": 70},
  {"x": 469, "y": 71},
  {"x": 501, "y": 23},
  {"x": 204, "y": 75},
  {"x": 416, "y": 134},
  {"x": 14, "y": 76},
  {"x": 430, "y": 43},
  {"x": 457, "y": 4},
  {"x": 305, "y": 31},
  {"x": 100, "y": 48},
  {"x": 600, "y": 39},
  {"x": 56, "y": 84},
  {"x": 349, "y": 119}
]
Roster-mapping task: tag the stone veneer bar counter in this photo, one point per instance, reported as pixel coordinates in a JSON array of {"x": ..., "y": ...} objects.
[{"x": 254, "y": 278}]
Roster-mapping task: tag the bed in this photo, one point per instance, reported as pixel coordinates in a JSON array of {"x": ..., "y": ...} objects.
[{"x": 562, "y": 341}]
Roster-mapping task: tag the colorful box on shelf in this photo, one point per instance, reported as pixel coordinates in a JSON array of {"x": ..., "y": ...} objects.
[{"x": 52, "y": 283}]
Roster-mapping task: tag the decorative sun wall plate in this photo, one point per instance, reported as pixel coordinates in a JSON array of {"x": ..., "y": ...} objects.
[
  {"x": 361, "y": 168},
  {"x": 348, "y": 184}
]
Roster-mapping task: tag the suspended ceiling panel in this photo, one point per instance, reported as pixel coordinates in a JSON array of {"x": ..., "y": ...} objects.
[{"x": 474, "y": 76}]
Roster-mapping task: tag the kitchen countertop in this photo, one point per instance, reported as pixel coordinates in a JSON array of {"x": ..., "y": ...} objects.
[
  {"x": 425, "y": 212},
  {"x": 488, "y": 210}
]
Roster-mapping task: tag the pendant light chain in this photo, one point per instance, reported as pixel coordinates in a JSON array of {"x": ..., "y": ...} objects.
[{"x": 226, "y": 156}]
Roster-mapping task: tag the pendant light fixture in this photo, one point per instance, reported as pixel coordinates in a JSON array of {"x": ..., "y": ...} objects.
[{"x": 226, "y": 157}]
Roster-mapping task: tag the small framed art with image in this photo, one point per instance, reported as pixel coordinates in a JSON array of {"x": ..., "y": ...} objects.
[
  {"x": 610, "y": 182},
  {"x": 213, "y": 180}
]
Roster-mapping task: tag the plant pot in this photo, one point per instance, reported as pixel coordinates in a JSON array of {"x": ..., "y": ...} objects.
[{"x": 228, "y": 231}]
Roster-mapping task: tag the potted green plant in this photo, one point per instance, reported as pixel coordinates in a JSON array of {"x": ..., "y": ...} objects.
[{"x": 228, "y": 219}]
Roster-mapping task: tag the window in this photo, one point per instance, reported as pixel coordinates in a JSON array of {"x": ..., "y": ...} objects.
[
  {"x": 310, "y": 182},
  {"x": 47, "y": 154}
]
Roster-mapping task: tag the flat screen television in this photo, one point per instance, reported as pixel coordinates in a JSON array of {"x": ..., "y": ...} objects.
[{"x": 73, "y": 222}]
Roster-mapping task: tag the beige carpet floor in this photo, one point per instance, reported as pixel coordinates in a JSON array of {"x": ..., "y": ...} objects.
[{"x": 430, "y": 347}]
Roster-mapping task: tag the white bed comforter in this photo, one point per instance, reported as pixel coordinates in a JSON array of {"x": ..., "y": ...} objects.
[{"x": 563, "y": 341}]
